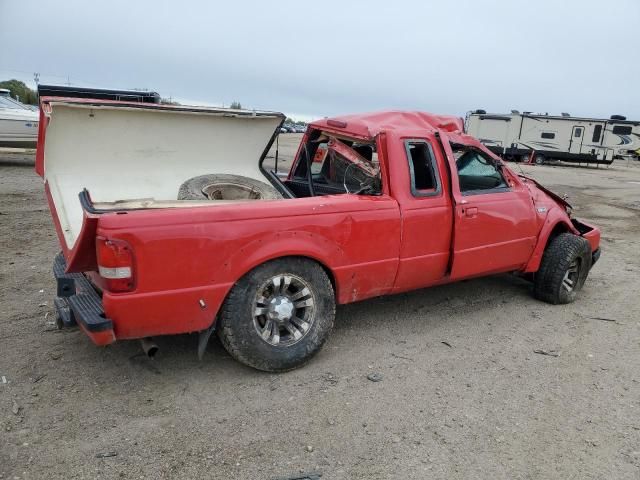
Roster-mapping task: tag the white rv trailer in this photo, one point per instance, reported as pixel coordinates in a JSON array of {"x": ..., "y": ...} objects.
[{"x": 570, "y": 139}]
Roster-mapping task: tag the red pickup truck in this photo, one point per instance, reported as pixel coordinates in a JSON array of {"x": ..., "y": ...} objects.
[{"x": 170, "y": 221}]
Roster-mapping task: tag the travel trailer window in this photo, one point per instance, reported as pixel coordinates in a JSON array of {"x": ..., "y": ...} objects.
[
  {"x": 597, "y": 130},
  {"x": 548, "y": 135},
  {"x": 578, "y": 133},
  {"x": 478, "y": 173},
  {"x": 423, "y": 171},
  {"x": 622, "y": 130}
]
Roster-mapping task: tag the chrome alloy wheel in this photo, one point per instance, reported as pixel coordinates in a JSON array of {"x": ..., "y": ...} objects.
[
  {"x": 571, "y": 276},
  {"x": 283, "y": 310}
]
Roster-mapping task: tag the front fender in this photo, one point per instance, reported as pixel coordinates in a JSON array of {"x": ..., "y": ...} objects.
[{"x": 555, "y": 219}]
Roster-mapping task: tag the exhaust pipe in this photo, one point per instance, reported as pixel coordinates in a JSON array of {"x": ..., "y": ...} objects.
[{"x": 149, "y": 347}]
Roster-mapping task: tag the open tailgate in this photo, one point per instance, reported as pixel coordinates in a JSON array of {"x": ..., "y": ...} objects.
[{"x": 119, "y": 150}]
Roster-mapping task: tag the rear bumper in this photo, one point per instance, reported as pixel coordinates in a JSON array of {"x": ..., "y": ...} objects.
[
  {"x": 109, "y": 317},
  {"x": 595, "y": 256},
  {"x": 79, "y": 304}
]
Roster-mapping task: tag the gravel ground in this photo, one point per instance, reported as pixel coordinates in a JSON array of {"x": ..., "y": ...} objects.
[{"x": 462, "y": 395}]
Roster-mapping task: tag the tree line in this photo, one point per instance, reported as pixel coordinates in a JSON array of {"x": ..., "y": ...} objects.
[{"x": 20, "y": 91}]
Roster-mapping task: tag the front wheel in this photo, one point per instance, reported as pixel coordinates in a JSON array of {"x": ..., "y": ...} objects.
[
  {"x": 564, "y": 268},
  {"x": 278, "y": 315}
]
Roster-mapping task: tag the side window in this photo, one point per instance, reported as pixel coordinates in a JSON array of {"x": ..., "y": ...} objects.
[
  {"x": 622, "y": 130},
  {"x": 597, "y": 131},
  {"x": 477, "y": 173},
  {"x": 578, "y": 133},
  {"x": 422, "y": 168},
  {"x": 547, "y": 135}
]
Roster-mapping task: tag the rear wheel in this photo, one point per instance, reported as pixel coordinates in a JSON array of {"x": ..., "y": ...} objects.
[
  {"x": 564, "y": 268},
  {"x": 278, "y": 315},
  {"x": 539, "y": 159}
]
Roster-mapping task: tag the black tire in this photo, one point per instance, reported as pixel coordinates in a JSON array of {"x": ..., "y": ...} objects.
[
  {"x": 59, "y": 320},
  {"x": 564, "y": 252},
  {"x": 231, "y": 187},
  {"x": 540, "y": 159},
  {"x": 238, "y": 325}
]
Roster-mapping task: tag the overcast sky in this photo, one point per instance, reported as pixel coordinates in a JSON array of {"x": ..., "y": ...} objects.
[{"x": 314, "y": 59}]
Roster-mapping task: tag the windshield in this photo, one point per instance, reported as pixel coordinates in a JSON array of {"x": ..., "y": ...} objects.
[{"x": 477, "y": 171}]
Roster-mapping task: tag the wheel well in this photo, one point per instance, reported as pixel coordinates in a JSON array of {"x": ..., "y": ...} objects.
[
  {"x": 326, "y": 269},
  {"x": 329, "y": 273},
  {"x": 557, "y": 230}
]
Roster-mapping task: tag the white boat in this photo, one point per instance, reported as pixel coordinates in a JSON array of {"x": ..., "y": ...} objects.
[{"x": 18, "y": 122}]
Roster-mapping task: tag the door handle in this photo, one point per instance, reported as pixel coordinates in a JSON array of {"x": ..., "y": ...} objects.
[{"x": 471, "y": 211}]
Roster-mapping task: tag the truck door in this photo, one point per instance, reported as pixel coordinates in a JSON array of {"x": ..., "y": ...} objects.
[
  {"x": 427, "y": 216},
  {"x": 494, "y": 218},
  {"x": 577, "y": 136}
]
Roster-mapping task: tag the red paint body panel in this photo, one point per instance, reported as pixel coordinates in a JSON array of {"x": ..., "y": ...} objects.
[
  {"x": 42, "y": 131},
  {"x": 494, "y": 232},
  {"x": 593, "y": 237},
  {"x": 187, "y": 259},
  {"x": 369, "y": 125},
  {"x": 554, "y": 218},
  {"x": 163, "y": 312},
  {"x": 426, "y": 220},
  {"x": 183, "y": 256}
]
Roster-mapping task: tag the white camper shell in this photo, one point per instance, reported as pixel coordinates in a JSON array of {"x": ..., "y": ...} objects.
[{"x": 571, "y": 139}]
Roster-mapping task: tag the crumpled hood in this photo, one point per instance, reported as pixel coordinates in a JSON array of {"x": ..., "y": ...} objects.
[{"x": 558, "y": 199}]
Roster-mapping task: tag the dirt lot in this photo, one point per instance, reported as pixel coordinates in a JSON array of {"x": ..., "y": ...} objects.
[{"x": 481, "y": 405}]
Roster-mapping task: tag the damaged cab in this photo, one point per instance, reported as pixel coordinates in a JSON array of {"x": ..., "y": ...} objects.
[{"x": 170, "y": 222}]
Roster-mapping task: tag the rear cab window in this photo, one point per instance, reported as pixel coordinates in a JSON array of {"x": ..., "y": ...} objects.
[{"x": 338, "y": 165}]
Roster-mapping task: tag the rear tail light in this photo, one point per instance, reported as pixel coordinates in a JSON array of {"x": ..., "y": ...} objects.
[{"x": 115, "y": 264}]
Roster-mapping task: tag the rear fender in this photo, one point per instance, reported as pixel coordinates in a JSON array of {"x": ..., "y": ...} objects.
[
  {"x": 556, "y": 220},
  {"x": 287, "y": 244}
]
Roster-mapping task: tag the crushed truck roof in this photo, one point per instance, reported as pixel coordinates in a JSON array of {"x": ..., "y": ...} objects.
[{"x": 368, "y": 125}]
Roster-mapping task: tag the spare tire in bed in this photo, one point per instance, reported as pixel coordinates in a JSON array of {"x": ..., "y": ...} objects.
[{"x": 226, "y": 187}]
